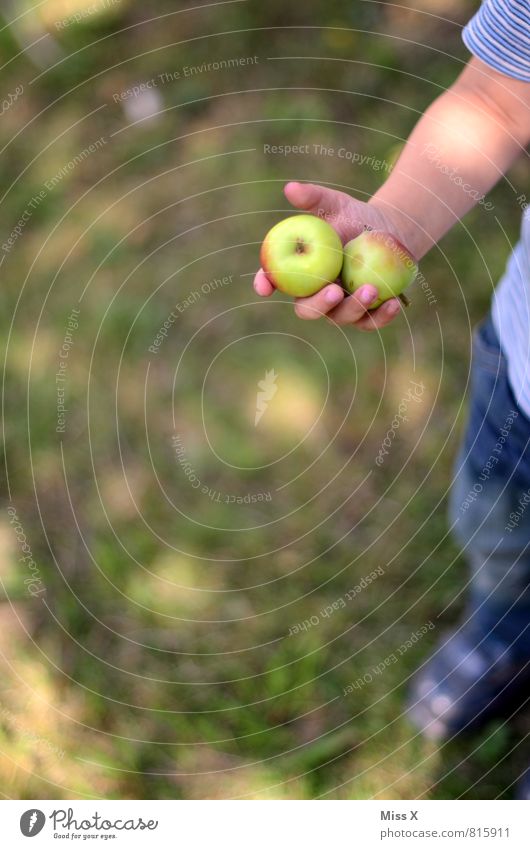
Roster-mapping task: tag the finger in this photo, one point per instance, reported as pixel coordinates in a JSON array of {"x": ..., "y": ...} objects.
[
  {"x": 320, "y": 304},
  {"x": 383, "y": 315},
  {"x": 262, "y": 285},
  {"x": 309, "y": 197},
  {"x": 355, "y": 306}
]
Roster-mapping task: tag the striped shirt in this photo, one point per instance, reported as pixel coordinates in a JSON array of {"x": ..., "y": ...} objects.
[{"x": 499, "y": 35}]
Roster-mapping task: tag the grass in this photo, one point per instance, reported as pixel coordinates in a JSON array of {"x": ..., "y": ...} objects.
[{"x": 158, "y": 664}]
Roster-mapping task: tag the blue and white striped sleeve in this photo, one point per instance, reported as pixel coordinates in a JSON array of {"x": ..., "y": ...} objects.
[{"x": 499, "y": 34}]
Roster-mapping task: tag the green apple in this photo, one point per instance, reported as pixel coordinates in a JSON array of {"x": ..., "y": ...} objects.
[
  {"x": 377, "y": 258},
  {"x": 301, "y": 254}
]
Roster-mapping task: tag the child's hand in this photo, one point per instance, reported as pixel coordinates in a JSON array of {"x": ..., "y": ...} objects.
[{"x": 348, "y": 217}]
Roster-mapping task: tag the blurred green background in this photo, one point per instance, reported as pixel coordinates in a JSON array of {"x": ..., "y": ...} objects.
[{"x": 162, "y": 658}]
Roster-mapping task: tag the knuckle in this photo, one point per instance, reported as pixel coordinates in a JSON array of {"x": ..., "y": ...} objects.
[{"x": 352, "y": 314}]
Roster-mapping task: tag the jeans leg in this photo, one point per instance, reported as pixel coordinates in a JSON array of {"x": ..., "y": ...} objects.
[{"x": 490, "y": 500}]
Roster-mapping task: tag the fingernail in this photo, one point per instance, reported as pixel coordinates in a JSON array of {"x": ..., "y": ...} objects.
[
  {"x": 333, "y": 296},
  {"x": 367, "y": 294},
  {"x": 393, "y": 307}
]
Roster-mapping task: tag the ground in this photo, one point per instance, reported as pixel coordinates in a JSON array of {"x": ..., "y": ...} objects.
[{"x": 187, "y": 619}]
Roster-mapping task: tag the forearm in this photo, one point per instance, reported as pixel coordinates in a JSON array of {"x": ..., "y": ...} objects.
[{"x": 459, "y": 149}]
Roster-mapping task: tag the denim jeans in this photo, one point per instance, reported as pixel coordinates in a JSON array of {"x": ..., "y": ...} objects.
[{"x": 490, "y": 500}]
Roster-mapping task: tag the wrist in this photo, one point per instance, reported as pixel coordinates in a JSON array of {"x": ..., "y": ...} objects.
[{"x": 408, "y": 231}]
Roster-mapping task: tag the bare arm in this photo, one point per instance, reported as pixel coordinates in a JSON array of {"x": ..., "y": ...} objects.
[{"x": 462, "y": 145}]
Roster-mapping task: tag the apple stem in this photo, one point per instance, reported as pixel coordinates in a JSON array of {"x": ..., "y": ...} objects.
[{"x": 404, "y": 300}]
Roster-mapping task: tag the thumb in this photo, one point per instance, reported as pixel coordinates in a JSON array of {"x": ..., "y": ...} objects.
[
  {"x": 337, "y": 208},
  {"x": 313, "y": 198}
]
